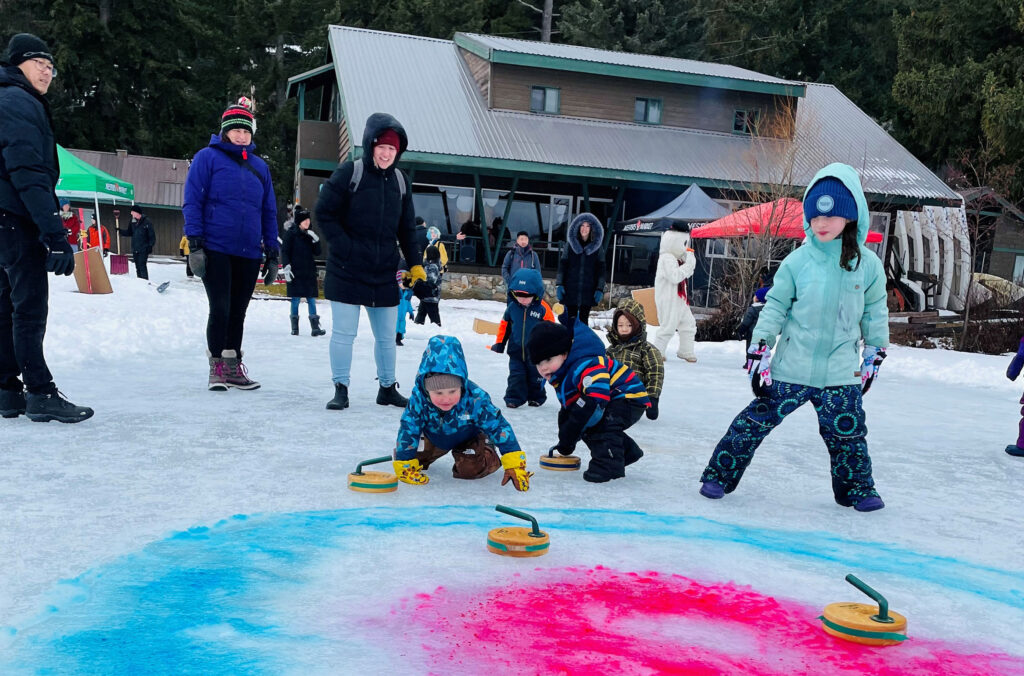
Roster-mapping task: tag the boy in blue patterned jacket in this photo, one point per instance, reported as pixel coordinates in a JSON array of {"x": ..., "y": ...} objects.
[
  {"x": 600, "y": 397},
  {"x": 450, "y": 412},
  {"x": 526, "y": 308}
]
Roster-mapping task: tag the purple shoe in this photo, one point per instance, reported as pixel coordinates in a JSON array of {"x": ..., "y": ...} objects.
[
  {"x": 1015, "y": 450},
  {"x": 869, "y": 504},
  {"x": 712, "y": 490}
]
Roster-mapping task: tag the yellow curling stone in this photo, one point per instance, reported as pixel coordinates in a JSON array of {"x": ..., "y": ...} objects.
[
  {"x": 560, "y": 463},
  {"x": 853, "y": 622},
  {"x": 373, "y": 482},
  {"x": 516, "y": 541}
]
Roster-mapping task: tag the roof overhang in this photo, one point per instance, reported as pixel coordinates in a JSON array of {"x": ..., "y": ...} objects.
[
  {"x": 630, "y": 72},
  {"x": 311, "y": 78}
]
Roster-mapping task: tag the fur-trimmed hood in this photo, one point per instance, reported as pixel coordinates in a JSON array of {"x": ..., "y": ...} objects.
[{"x": 596, "y": 234}]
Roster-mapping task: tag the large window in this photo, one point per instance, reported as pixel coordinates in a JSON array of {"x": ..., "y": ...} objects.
[
  {"x": 647, "y": 111},
  {"x": 745, "y": 121},
  {"x": 444, "y": 207},
  {"x": 1018, "y": 269},
  {"x": 545, "y": 100}
]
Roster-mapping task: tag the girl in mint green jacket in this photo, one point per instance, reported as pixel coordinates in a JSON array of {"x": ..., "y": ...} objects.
[{"x": 828, "y": 295}]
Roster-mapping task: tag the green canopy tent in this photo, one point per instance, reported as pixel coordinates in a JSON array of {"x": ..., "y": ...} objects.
[{"x": 81, "y": 180}]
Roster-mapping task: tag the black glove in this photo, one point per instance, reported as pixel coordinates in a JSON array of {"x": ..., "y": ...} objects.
[
  {"x": 197, "y": 256},
  {"x": 498, "y": 347},
  {"x": 270, "y": 268},
  {"x": 60, "y": 259},
  {"x": 561, "y": 450},
  {"x": 652, "y": 412}
]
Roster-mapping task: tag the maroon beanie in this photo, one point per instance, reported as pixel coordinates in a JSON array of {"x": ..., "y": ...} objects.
[{"x": 388, "y": 138}]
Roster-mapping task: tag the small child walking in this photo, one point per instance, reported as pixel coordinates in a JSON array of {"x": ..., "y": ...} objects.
[
  {"x": 451, "y": 413},
  {"x": 600, "y": 397},
  {"x": 525, "y": 310},
  {"x": 827, "y": 296},
  {"x": 402, "y": 277},
  {"x": 627, "y": 344},
  {"x": 750, "y": 317},
  {"x": 429, "y": 290},
  {"x": 299, "y": 248}
]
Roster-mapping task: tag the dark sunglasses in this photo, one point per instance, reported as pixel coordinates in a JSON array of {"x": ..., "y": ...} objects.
[{"x": 522, "y": 294}]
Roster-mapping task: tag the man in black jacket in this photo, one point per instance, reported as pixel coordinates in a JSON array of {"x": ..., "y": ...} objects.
[
  {"x": 366, "y": 213},
  {"x": 143, "y": 240},
  {"x": 32, "y": 237}
]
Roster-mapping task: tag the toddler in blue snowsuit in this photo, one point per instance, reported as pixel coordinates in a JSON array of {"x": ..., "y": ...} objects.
[
  {"x": 526, "y": 308},
  {"x": 404, "y": 303},
  {"x": 451, "y": 413}
]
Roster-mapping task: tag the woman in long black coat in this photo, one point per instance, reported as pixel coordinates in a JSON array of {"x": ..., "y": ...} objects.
[
  {"x": 299, "y": 248},
  {"x": 580, "y": 281}
]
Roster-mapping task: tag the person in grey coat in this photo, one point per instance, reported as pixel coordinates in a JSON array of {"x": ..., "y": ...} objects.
[{"x": 521, "y": 257}]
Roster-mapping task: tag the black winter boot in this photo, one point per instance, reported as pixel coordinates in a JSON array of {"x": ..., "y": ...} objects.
[
  {"x": 314, "y": 324},
  {"x": 398, "y": 339},
  {"x": 295, "y": 324},
  {"x": 340, "y": 400},
  {"x": 53, "y": 406},
  {"x": 12, "y": 403},
  {"x": 389, "y": 396}
]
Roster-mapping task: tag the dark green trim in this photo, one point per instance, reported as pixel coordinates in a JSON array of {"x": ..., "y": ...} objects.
[
  {"x": 318, "y": 165},
  {"x": 301, "y": 78},
  {"x": 648, "y": 99},
  {"x": 472, "y": 46},
  {"x": 509, "y": 198},
  {"x": 464, "y": 164},
  {"x": 586, "y": 196},
  {"x": 302, "y": 102},
  {"x": 646, "y": 74},
  {"x": 887, "y": 635},
  {"x": 171, "y": 207},
  {"x": 1003, "y": 249}
]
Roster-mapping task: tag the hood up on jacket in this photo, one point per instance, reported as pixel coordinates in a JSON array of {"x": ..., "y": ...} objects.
[
  {"x": 376, "y": 125},
  {"x": 585, "y": 345},
  {"x": 596, "y": 234},
  {"x": 635, "y": 309},
  {"x": 218, "y": 141},
  {"x": 848, "y": 175},
  {"x": 528, "y": 280},
  {"x": 444, "y": 354}
]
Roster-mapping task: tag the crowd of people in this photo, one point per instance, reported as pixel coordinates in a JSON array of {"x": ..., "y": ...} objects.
[{"x": 803, "y": 334}]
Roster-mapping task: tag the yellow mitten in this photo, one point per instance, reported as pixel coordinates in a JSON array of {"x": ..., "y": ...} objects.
[
  {"x": 408, "y": 472},
  {"x": 417, "y": 273},
  {"x": 515, "y": 470}
]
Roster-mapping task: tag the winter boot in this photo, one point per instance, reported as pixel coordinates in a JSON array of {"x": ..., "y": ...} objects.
[
  {"x": 295, "y": 324},
  {"x": 12, "y": 403},
  {"x": 869, "y": 504},
  {"x": 398, "y": 340},
  {"x": 340, "y": 400},
  {"x": 633, "y": 452},
  {"x": 314, "y": 324},
  {"x": 1012, "y": 450},
  {"x": 53, "y": 406},
  {"x": 235, "y": 373},
  {"x": 218, "y": 374},
  {"x": 389, "y": 396},
  {"x": 712, "y": 490}
]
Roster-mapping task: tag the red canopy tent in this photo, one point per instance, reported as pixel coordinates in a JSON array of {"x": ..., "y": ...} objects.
[{"x": 783, "y": 218}]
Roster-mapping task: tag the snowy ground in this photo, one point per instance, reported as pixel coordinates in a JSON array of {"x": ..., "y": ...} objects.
[{"x": 284, "y": 570}]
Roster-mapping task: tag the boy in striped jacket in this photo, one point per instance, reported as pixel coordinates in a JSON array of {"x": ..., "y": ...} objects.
[{"x": 600, "y": 397}]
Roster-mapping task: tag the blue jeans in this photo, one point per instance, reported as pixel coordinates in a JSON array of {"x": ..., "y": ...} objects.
[
  {"x": 841, "y": 425},
  {"x": 298, "y": 301},
  {"x": 345, "y": 326}
]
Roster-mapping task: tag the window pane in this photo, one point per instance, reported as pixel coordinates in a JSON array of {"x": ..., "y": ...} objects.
[
  {"x": 430, "y": 206},
  {"x": 537, "y": 99},
  {"x": 640, "y": 110},
  {"x": 654, "y": 111},
  {"x": 460, "y": 208},
  {"x": 551, "y": 101},
  {"x": 1018, "y": 269},
  {"x": 739, "y": 121}
]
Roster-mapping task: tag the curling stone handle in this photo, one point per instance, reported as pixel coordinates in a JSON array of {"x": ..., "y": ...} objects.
[
  {"x": 883, "y": 605},
  {"x": 535, "y": 533},
  {"x": 374, "y": 461}
]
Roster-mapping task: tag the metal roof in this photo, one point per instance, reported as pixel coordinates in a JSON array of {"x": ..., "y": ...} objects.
[
  {"x": 668, "y": 64},
  {"x": 158, "y": 181},
  {"x": 426, "y": 84}
]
